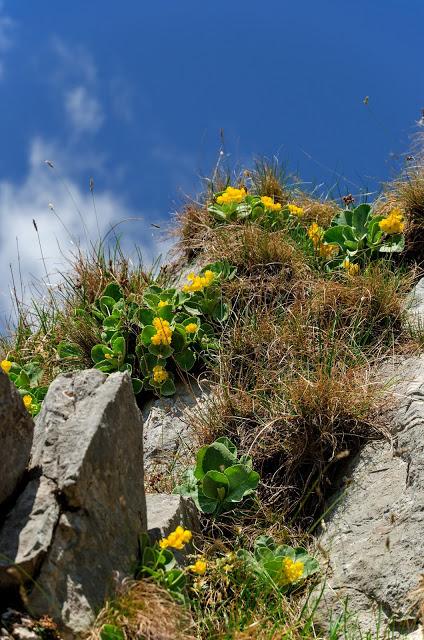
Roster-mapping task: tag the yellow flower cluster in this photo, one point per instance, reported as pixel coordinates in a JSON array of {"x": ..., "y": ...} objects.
[
  {"x": 191, "y": 327},
  {"x": 393, "y": 223},
  {"x": 162, "y": 303},
  {"x": 232, "y": 195},
  {"x": 295, "y": 210},
  {"x": 198, "y": 283},
  {"x": 199, "y": 567},
  {"x": 351, "y": 268},
  {"x": 27, "y": 401},
  {"x": 315, "y": 233},
  {"x": 270, "y": 204},
  {"x": 328, "y": 250},
  {"x": 177, "y": 539},
  {"x": 293, "y": 570},
  {"x": 163, "y": 333},
  {"x": 5, "y": 365},
  {"x": 160, "y": 374}
]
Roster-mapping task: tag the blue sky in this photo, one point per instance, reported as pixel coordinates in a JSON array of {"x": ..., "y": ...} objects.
[{"x": 135, "y": 94}]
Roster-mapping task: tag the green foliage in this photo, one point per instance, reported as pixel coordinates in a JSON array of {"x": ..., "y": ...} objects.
[
  {"x": 27, "y": 379},
  {"x": 170, "y": 330},
  {"x": 111, "y": 632},
  {"x": 358, "y": 234},
  {"x": 161, "y": 565},
  {"x": 219, "y": 479},
  {"x": 252, "y": 209},
  {"x": 267, "y": 564}
]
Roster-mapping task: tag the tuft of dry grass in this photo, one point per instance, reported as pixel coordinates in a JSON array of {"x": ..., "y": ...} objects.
[{"x": 142, "y": 609}]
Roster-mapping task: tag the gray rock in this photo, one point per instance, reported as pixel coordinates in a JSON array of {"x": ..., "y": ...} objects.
[
  {"x": 374, "y": 536},
  {"x": 16, "y": 433},
  {"x": 166, "y": 511},
  {"x": 169, "y": 439},
  {"x": 89, "y": 445},
  {"x": 415, "y": 305},
  {"x": 27, "y": 532}
]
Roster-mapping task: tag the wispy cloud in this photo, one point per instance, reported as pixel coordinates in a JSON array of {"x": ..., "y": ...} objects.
[
  {"x": 65, "y": 219},
  {"x": 75, "y": 76},
  {"x": 7, "y": 32},
  {"x": 83, "y": 110}
]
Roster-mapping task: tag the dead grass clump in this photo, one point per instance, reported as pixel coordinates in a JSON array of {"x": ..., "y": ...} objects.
[
  {"x": 251, "y": 248},
  {"x": 142, "y": 609},
  {"x": 268, "y": 178},
  {"x": 193, "y": 225},
  {"x": 320, "y": 211}
]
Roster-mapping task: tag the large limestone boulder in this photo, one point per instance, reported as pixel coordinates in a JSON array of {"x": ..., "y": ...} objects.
[
  {"x": 16, "y": 433},
  {"x": 77, "y": 522},
  {"x": 374, "y": 536}
]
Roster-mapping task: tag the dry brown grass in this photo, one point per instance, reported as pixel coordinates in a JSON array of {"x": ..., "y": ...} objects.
[{"x": 142, "y": 609}]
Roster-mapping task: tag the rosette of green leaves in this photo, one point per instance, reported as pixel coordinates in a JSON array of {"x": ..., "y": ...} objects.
[
  {"x": 357, "y": 232},
  {"x": 114, "y": 314},
  {"x": 251, "y": 209},
  {"x": 219, "y": 480},
  {"x": 209, "y": 302},
  {"x": 265, "y": 564},
  {"x": 27, "y": 379},
  {"x": 161, "y": 565}
]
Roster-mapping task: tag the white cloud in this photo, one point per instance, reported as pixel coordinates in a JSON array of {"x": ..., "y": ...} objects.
[
  {"x": 83, "y": 110},
  {"x": 21, "y": 203}
]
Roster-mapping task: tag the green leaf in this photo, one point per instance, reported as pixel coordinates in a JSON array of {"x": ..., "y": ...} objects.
[
  {"x": 161, "y": 350},
  {"x": 221, "y": 311},
  {"x": 152, "y": 300},
  {"x": 147, "y": 334},
  {"x": 178, "y": 340},
  {"x": 393, "y": 244},
  {"x": 217, "y": 457},
  {"x": 335, "y": 235},
  {"x": 119, "y": 347},
  {"x": 207, "y": 505},
  {"x": 106, "y": 305},
  {"x": 166, "y": 313},
  {"x": 98, "y": 352},
  {"x": 185, "y": 359},
  {"x": 168, "y": 388},
  {"x": 227, "y": 443},
  {"x": 113, "y": 290},
  {"x": 215, "y": 485},
  {"x": 145, "y": 316},
  {"x": 242, "y": 482},
  {"x": 68, "y": 350},
  {"x": 343, "y": 218},
  {"x": 137, "y": 385},
  {"x": 360, "y": 216}
]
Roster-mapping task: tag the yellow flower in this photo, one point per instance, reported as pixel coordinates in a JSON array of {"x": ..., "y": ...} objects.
[
  {"x": 351, "y": 268},
  {"x": 328, "y": 250},
  {"x": 315, "y": 233},
  {"x": 199, "y": 567},
  {"x": 163, "y": 333},
  {"x": 27, "y": 401},
  {"x": 160, "y": 374},
  {"x": 191, "y": 327},
  {"x": 293, "y": 570},
  {"x": 270, "y": 204},
  {"x": 5, "y": 365},
  {"x": 108, "y": 356},
  {"x": 198, "y": 283},
  {"x": 295, "y": 210},
  {"x": 177, "y": 539},
  {"x": 162, "y": 303},
  {"x": 393, "y": 223},
  {"x": 232, "y": 195}
]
